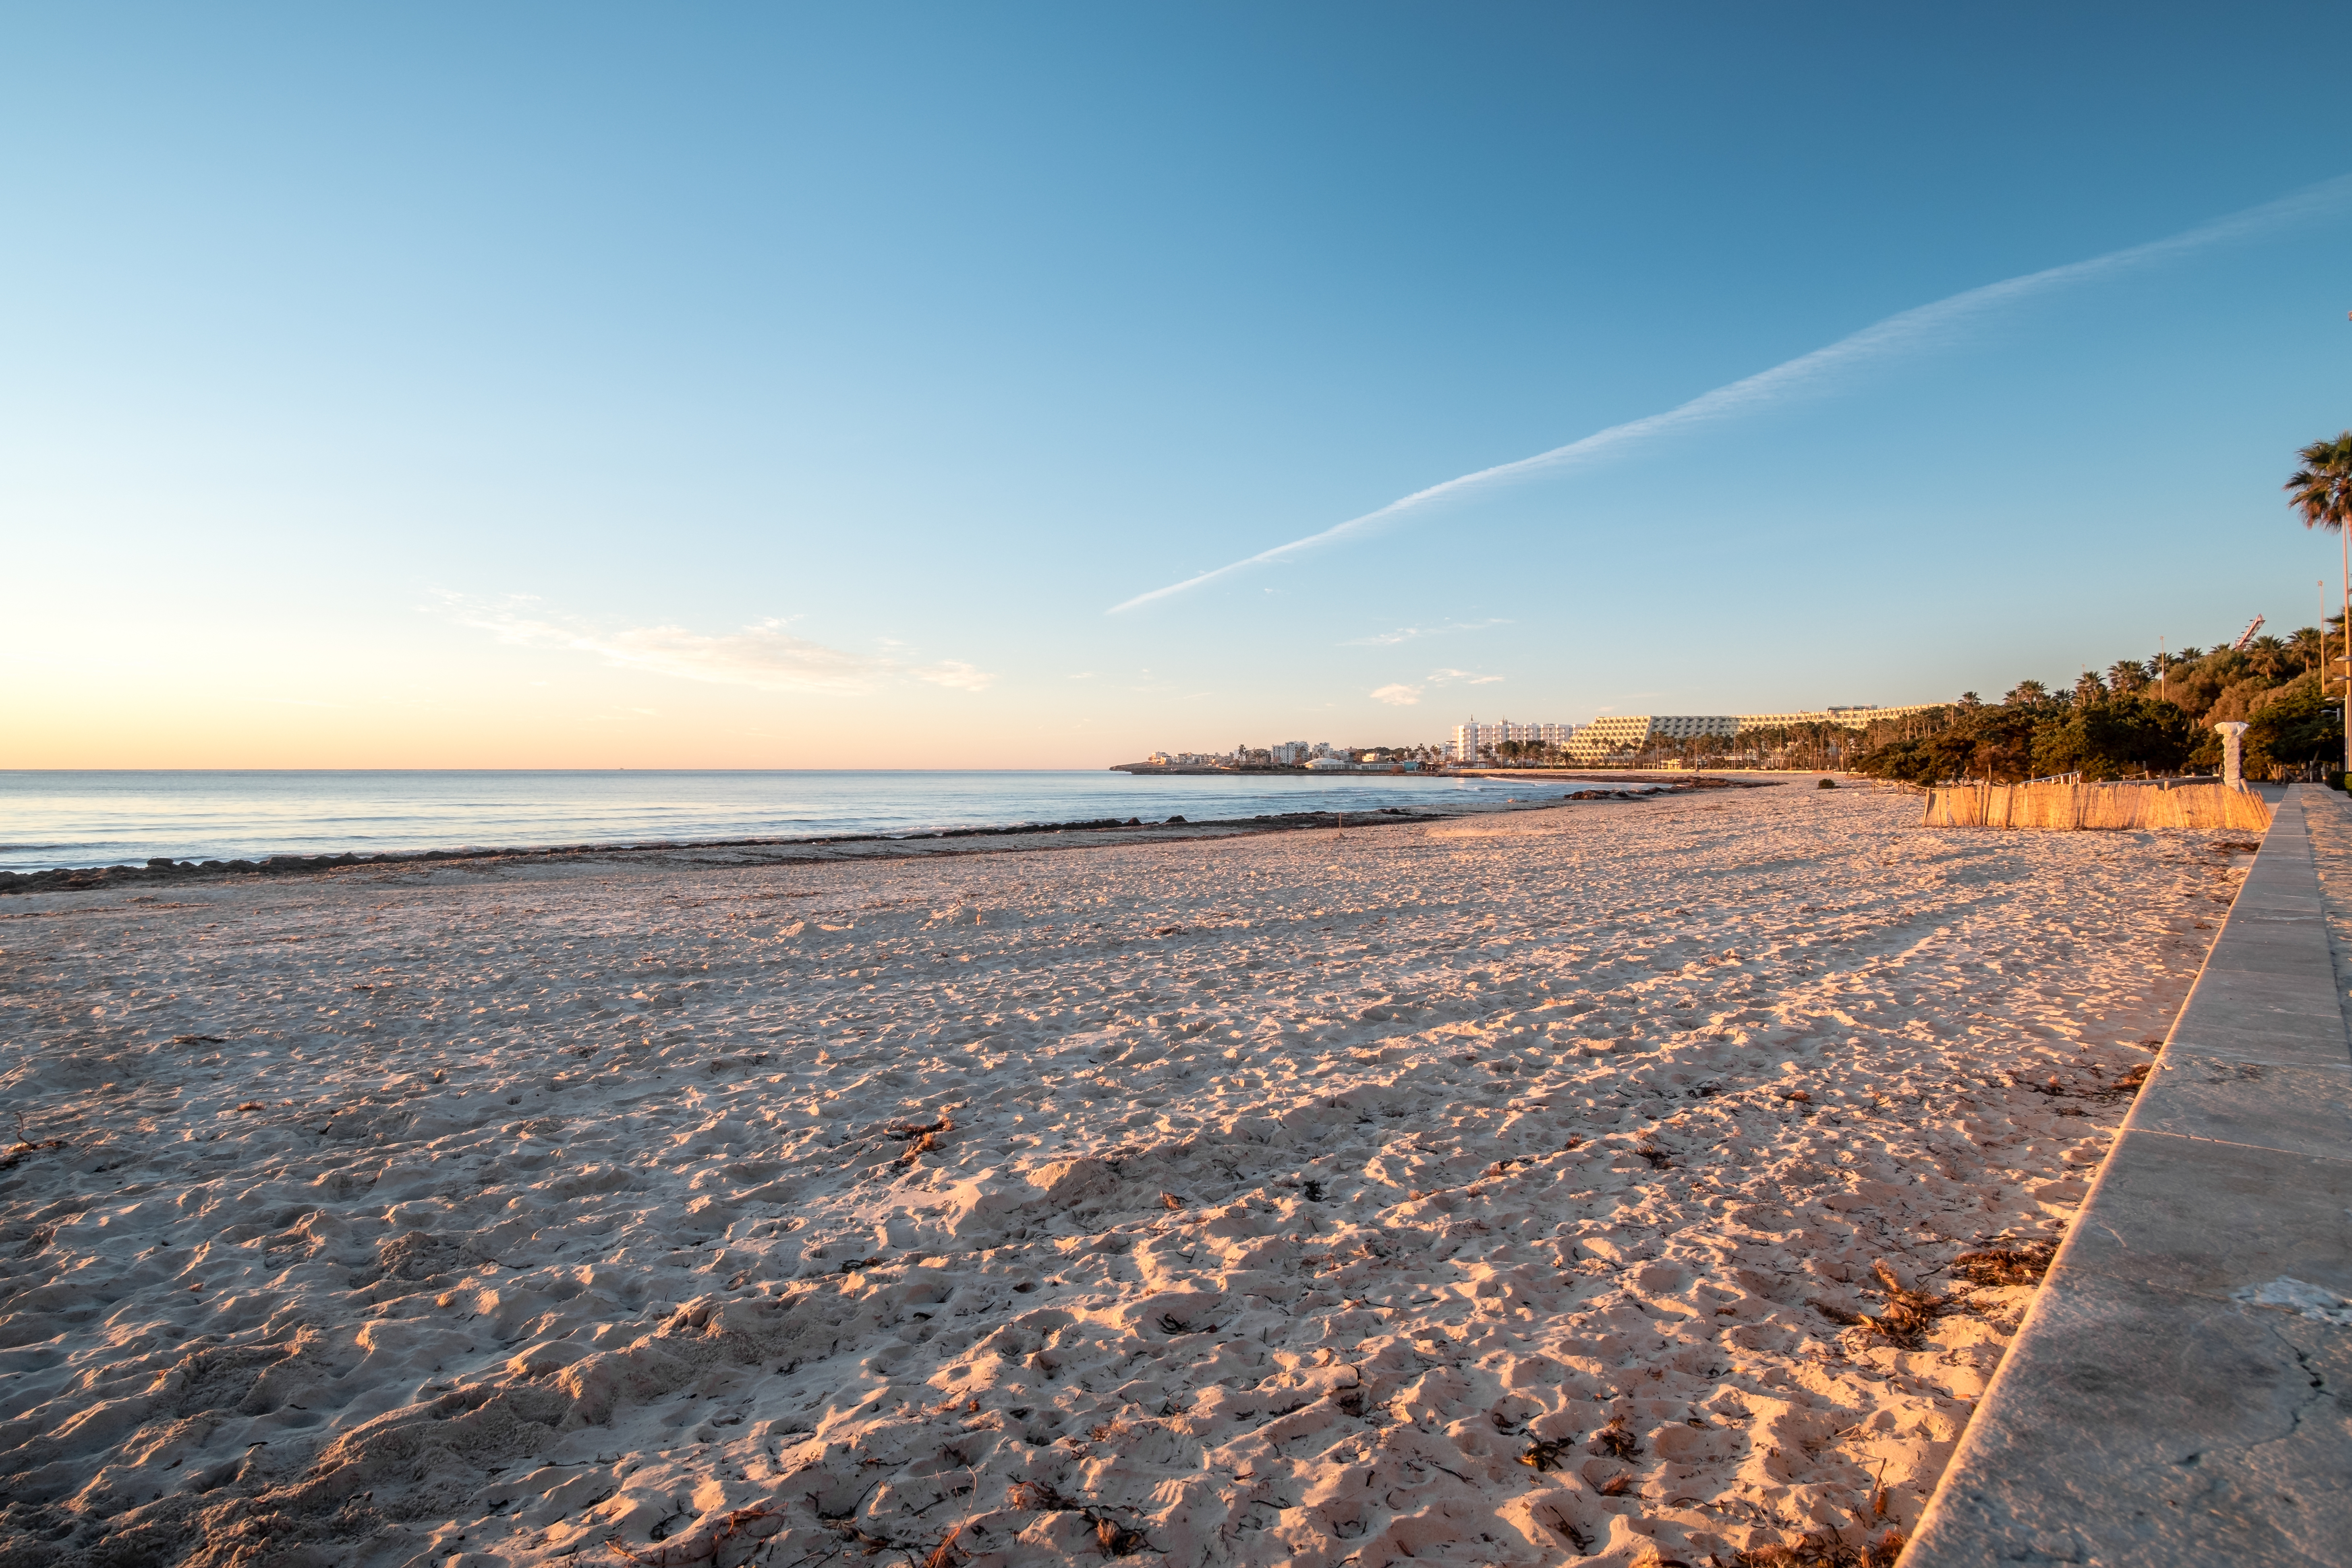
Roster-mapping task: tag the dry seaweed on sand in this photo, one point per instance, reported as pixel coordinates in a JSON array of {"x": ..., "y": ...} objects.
[
  {"x": 944, "y": 1554},
  {"x": 1566, "y": 1527},
  {"x": 1821, "y": 1549},
  {"x": 667, "y": 1554},
  {"x": 2126, "y": 1087},
  {"x": 2007, "y": 1263},
  {"x": 1547, "y": 1453},
  {"x": 25, "y": 1143},
  {"x": 1613, "y": 1439},
  {"x": 1909, "y": 1313},
  {"x": 1118, "y": 1540},
  {"x": 1112, "y": 1538},
  {"x": 1038, "y": 1496},
  {"x": 920, "y": 1141},
  {"x": 903, "y": 1132},
  {"x": 1818, "y": 1549}
]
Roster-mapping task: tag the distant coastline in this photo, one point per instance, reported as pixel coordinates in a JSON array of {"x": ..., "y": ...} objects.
[
  {"x": 767, "y": 849},
  {"x": 1380, "y": 770},
  {"x": 56, "y": 821}
]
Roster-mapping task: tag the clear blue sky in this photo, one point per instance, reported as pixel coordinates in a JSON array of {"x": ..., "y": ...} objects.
[{"x": 763, "y": 386}]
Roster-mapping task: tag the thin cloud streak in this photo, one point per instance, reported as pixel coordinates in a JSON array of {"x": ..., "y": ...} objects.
[
  {"x": 1402, "y": 695},
  {"x": 1923, "y": 326},
  {"x": 1407, "y": 633},
  {"x": 954, "y": 674}
]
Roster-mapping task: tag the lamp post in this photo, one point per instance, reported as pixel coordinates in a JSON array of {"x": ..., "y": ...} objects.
[
  {"x": 2344, "y": 637},
  {"x": 2321, "y": 490},
  {"x": 2322, "y": 586}
]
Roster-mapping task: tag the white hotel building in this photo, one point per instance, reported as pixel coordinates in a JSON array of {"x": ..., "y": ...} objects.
[
  {"x": 1471, "y": 740},
  {"x": 1625, "y": 732},
  {"x": 1620, "y": 733}
]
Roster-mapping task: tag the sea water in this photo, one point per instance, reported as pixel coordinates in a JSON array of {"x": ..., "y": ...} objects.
[{"x": 51, "y": 819}]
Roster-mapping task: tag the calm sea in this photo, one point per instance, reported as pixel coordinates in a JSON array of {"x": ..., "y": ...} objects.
[{"x": 54, "y": 819}]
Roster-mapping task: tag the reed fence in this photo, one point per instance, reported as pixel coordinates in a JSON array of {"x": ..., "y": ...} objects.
[{"x": 2070, "y": 806}]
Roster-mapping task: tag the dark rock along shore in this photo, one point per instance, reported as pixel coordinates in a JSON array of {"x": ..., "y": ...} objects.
[{"x": 164, "y": 870}]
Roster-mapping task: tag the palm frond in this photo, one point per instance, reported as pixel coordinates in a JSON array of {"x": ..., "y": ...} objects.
[{"x": 2322, "y": 489}]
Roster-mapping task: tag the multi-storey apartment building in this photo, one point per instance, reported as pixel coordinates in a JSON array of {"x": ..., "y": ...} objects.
[
  {"x": 1614, "y": 733},
  {"x": 1621, "y": 733},
  {"x": 1856, "y": 717},
  {"x": 1472, "y": 741}
]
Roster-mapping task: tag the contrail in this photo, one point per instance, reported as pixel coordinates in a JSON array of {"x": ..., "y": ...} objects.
[{"x": 1921, "y": 326}]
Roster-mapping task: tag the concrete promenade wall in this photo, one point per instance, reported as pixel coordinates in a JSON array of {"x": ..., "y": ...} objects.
[{"x": 2181, "y": 1391}]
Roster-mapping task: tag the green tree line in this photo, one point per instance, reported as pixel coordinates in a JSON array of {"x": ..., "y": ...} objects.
[{"x": 2141, "y": 717}]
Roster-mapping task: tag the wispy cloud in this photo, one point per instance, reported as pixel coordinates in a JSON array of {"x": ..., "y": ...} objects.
[
  {"x": 952, "y": 673},
  {"x": 763, "y": 657},
  {"x": 1407, "y": 633},
  {"x": 1404, "y": 696},
  {"x": 1920, "y": 328}
]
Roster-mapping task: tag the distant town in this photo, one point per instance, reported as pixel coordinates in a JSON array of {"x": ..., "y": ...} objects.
[{"x": 1814, "y": 737}]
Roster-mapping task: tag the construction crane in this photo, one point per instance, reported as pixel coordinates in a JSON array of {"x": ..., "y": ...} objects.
[{"x": 2247, "y": 636}]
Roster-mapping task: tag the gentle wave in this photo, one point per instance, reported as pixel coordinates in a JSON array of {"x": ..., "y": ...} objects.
[{"x": 97, "y": 819}]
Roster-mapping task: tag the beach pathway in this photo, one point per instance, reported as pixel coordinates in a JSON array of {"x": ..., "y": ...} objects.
[{"x": 2181, "y": 1391}]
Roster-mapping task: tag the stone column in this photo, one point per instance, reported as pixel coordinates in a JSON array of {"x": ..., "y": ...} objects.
[{"x": 2234, "y": 740}]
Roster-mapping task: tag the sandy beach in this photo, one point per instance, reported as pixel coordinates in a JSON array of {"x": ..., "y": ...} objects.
[{"x": 1580, "y": 1184}]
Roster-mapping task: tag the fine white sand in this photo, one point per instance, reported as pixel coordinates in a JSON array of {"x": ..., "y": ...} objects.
[{"x": 1285, "y": 1193}]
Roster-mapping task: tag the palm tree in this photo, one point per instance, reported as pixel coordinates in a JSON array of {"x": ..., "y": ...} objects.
[
  {"x": 2305, "y": 646},
  {"x": 2322, "y": 491}
]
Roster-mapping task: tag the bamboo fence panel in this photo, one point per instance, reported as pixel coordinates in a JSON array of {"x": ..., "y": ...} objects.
[{"x": 2070, "y": 806}]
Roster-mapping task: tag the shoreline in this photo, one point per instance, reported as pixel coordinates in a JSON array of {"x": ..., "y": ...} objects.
[{"x": 776, "y": 850}]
